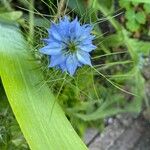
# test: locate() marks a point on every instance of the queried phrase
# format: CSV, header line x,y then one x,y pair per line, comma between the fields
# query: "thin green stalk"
x,y
112,83
60,9
105,11
31,21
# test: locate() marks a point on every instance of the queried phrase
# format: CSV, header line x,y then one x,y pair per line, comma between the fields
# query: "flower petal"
x,y
48,50
88,39
64,25
50,40
54,32
84,57
87,48
71,64
60,37
87,27
75,29
55,45
56,60
63,67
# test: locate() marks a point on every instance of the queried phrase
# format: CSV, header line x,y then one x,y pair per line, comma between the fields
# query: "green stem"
x,y
60,9
105,11
31,21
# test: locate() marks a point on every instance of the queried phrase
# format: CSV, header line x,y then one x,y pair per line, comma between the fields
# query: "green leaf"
x,y
147,8
10,16
132,25
32,101
142,47
135,4
41,22
130,14
105,109
134,19
100,114
108,3
140,17
125,4
78,5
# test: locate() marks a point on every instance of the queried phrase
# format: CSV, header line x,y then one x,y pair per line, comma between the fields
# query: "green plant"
x,y
113,85
135,15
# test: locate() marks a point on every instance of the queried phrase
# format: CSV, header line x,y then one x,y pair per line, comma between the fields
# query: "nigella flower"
x,y
68,45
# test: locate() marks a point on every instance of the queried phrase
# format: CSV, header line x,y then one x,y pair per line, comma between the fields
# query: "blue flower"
x,y
68,45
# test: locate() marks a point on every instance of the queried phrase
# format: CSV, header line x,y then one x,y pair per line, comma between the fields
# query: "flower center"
x,y
72,47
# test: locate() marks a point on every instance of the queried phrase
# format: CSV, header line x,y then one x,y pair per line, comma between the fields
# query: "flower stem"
x,y
31,21
60,9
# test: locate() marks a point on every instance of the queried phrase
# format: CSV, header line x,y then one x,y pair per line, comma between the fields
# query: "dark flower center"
x,y
72,47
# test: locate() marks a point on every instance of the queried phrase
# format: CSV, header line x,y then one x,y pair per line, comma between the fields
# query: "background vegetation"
x,y
114,84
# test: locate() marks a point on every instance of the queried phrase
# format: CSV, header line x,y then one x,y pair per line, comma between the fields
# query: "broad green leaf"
x,y
43,127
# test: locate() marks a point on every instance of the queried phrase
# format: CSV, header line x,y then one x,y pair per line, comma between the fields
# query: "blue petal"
x,y
71,64
51,40
85,33
47,40
75,29
48,50
79,64
63,67
84,57
86,42
65,19
54,32
87,27
74,26
87,48
60,36
83,36
56,60
88,39
64,28
54,45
